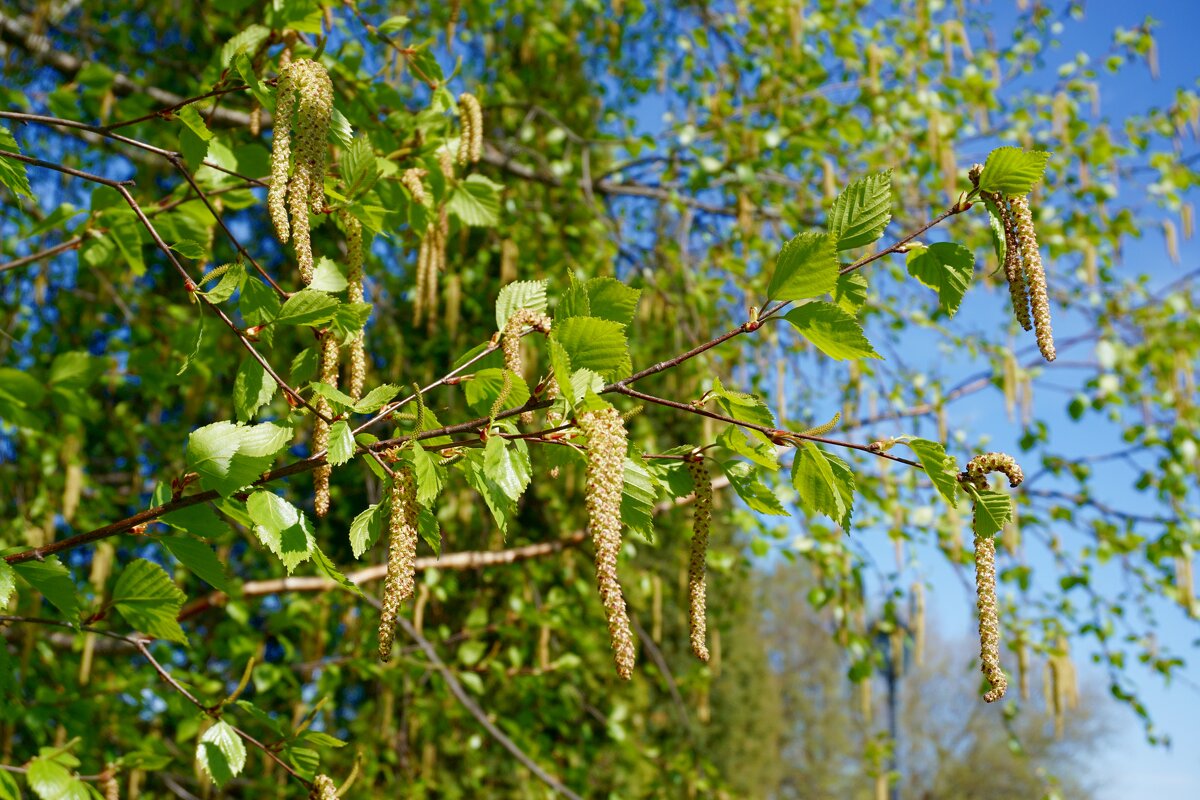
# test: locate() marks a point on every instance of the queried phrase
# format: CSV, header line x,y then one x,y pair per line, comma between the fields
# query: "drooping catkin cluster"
x,y
697,590
305,92
1035,275
402,555
979,466
411,179
470,144
607,445
354,293
989,616
323,789
320,440
431,259
1013,270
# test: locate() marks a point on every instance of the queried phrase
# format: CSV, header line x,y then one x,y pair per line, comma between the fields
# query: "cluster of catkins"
x,y
304,92
400,581
470,144
985,570
510,341
701,523
323,789
1023,267
607,446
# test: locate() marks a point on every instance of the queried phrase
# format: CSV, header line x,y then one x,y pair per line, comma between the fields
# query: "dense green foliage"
x,y
180,613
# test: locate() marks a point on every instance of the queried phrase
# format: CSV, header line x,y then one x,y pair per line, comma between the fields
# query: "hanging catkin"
x,y
607,445
354,293
989,617
399,583
697,589
470,143
323,789
320,440
1035,276
1013,270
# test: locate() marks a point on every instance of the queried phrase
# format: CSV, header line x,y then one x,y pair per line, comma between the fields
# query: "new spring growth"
x,y
402,555
320,441
697,590
304,92
607,445
411,179
323,789
470,144
1014,272
1035,276
979,466
510,342
354,293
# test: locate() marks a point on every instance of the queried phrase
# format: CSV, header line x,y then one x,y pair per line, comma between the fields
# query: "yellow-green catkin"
x,y
979,466
400,581
1035,276
329,375
607,446
510,341
411,179
323,789
989,617
470,144
109,784
1014,271
305,92
354,293
697,589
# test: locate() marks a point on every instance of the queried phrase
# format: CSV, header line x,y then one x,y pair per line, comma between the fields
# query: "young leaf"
x,y
862,211
754,493
823,488
429,475
50,780
507,465
1012,171
340,400
51,578
282,527
762,454
365,529
376,399
307,307
610,299
945,267
328,277
326,567
806,267
200,559
638,497
941,467
595,344
8,583
476,201
12,172
253,388
229,457
485,388
851,292
341,443
358,167
992,510
149,600
221,753
497,500
834,332
518,295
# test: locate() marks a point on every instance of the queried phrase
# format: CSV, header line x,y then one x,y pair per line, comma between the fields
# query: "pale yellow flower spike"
x,y
320,440
607,445
697,589
1035,276
354,293
323,789
402,556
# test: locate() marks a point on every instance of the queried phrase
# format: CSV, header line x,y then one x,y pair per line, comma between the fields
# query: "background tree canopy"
x,y
753,229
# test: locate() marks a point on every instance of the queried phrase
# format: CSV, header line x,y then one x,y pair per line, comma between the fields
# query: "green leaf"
x,y
941,467
862,211
253,388
745,481
498,502
337,398
851,292
430,531
50,780
741,406
574,302
429,475
198,557
358,168
834,332
341,443
327,277
992,510
9,789
8,583
307,307
1012,171
392,25
76,369
12,172
476,201
762,454
230,282
190,249
638,496
229,457
190,117
507,465
247,41
198,520
245,68
518,295
349,319
610,299
595,344
282,527
945,267
327,568
376,399
486,385
221,753
51,578
365,529
149,600
823,487
807,267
